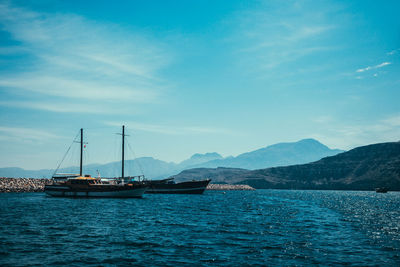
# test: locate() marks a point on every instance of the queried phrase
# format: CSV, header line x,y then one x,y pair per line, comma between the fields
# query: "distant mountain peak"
x,y
200,159
213,155
309,140
305,141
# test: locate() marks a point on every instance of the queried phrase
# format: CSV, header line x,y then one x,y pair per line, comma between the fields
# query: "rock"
x,y
9,185
229,187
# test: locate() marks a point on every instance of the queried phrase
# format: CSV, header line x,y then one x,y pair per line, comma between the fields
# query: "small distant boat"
x,y
78,185
381,190
168,186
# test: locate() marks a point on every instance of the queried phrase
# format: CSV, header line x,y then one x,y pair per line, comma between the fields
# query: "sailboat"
x,y
79,185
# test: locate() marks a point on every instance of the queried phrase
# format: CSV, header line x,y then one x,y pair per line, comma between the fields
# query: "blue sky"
x,y
191,77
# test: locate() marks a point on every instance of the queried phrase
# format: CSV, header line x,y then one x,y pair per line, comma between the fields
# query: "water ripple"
x,y
258,228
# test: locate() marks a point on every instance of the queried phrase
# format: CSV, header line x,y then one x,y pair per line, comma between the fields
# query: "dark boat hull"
x,y
190,187
102,191
381,190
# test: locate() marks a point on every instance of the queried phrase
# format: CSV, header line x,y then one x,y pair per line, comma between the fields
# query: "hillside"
x,y
362,168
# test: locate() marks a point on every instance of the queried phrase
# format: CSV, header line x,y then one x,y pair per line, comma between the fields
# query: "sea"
x,y
232,228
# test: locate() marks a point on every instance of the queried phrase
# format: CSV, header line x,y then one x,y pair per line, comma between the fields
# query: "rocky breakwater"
x,y
229,187
8,185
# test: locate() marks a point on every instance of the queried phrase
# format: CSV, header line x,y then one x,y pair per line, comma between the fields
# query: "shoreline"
x,y
26,185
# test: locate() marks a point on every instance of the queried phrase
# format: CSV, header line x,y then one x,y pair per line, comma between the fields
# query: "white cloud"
x,y
382,65
374,67
68,56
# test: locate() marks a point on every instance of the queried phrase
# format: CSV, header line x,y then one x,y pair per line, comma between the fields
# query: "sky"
x,y
189,77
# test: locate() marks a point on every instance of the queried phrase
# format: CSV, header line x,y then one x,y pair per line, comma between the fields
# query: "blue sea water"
x,y
263,227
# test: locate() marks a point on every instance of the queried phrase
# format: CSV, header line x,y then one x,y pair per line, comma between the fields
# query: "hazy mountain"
x,y
282,154
152,168
217,175
276,155
362,168
198,159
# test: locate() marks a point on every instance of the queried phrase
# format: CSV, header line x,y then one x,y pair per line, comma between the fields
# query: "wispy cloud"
x,y
74,88
171,129
19,133
69,57
278,34
374,67
392,121
349,136
66,106
323,119
393,52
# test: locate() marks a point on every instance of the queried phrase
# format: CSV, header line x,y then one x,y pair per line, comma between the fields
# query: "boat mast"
x,y
80,169
123,151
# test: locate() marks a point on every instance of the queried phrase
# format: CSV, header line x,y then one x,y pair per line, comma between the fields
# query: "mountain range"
x,y
362,168
280,154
